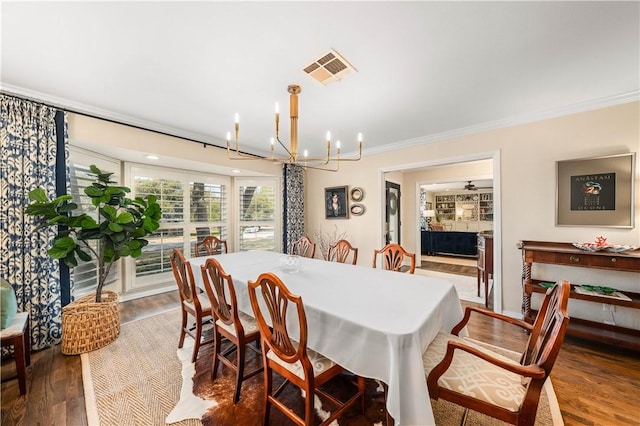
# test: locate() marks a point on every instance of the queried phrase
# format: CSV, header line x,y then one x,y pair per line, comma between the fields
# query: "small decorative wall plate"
x,y
357,194
357,209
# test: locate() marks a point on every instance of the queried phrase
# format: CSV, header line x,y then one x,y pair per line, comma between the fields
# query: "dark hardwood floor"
x,y
595,384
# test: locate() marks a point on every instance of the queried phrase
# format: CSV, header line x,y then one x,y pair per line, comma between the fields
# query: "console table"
x,y
566,254
449,242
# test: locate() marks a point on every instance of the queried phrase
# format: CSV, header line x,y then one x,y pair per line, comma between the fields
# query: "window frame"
x,y
277,216
132,170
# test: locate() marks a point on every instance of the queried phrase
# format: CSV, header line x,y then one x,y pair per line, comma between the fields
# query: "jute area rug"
x,y
143,379
466,286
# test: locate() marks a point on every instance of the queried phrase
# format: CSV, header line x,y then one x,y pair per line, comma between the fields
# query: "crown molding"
x,y
81,108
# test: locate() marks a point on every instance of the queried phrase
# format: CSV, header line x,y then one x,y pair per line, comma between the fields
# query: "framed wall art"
x,y
357,209
336,202
596,191
357,194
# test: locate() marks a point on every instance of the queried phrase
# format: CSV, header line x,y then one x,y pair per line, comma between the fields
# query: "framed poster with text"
x,y
596,191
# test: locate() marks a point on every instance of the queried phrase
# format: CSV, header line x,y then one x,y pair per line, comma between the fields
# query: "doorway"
x,y
392,213
459,169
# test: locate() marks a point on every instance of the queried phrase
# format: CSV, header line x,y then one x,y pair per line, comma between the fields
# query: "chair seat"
x,y
248,324
475,377
319,362
205,304
16,327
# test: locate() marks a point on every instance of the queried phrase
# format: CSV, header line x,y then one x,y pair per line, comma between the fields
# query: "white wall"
x,y
527,156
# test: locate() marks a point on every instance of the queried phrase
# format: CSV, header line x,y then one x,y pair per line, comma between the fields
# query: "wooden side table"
x,y
566,255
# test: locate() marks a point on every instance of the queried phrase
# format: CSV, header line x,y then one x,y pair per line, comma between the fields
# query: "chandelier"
x,y
328,163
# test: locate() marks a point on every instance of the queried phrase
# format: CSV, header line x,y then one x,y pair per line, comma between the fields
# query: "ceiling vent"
x,y
329,68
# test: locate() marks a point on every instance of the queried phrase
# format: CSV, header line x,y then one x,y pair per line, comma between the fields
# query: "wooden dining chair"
x,y
499,383
190,303
303,247
239,328
210,245
297,364
340,252
393,256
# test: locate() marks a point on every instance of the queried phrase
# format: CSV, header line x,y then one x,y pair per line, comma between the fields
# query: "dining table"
x,y
375,323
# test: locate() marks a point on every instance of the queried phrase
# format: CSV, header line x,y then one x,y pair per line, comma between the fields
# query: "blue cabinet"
x,y
449,242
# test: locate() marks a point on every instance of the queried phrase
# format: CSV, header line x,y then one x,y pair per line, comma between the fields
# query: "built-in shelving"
x,y
486,206
465,207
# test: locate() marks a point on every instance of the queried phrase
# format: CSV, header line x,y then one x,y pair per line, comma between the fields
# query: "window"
x,y
85,275
259,214
208,212
193,206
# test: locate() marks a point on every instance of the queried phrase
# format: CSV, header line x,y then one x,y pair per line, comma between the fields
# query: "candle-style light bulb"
x,y
277,109
328,136
273,142
228,136
360,137
338,144
237,120
305,153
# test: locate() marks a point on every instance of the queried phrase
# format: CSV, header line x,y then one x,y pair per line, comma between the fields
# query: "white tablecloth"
x,y
373,322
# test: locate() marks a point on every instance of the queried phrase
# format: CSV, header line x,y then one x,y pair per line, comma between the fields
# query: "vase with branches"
x,y
326,239
119,225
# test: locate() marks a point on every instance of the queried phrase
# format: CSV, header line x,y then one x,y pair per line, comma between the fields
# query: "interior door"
x,y
392,213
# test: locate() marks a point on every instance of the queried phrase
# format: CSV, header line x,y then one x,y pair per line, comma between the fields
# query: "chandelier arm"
x,y
351,159
283,145
240,155
321,168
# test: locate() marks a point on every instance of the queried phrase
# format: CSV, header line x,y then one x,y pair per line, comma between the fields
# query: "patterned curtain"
x,y
423,203
28,150
293,211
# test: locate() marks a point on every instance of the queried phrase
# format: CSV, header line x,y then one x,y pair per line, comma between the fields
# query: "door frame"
x,y
388,185
497,208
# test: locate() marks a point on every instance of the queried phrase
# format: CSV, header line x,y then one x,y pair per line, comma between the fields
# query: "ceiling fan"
x,y
471,187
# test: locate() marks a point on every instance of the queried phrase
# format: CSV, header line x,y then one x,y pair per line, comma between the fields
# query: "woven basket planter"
x,y
87,325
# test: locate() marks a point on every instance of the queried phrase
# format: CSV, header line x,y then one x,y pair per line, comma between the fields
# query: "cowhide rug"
x,y
248,411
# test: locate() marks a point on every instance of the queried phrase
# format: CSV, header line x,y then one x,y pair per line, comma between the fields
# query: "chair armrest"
x,y
531,371
467,315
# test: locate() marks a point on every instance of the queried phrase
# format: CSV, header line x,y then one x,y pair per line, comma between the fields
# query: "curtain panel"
x,y
28,151
293,205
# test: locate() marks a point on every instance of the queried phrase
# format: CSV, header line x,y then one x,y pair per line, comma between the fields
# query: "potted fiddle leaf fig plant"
x,y
118,229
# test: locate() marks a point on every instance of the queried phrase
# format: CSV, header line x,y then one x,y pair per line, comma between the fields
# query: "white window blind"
x,y
193,205
85,275
259,214
209,212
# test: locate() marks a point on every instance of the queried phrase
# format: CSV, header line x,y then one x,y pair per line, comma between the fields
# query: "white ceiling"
x,y
426,70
